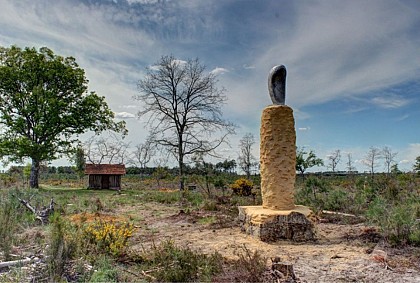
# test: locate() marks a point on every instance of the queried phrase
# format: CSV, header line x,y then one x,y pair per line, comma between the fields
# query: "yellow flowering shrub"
x,y
242,187
110,237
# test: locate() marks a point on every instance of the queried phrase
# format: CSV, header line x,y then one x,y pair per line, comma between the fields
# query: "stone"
x,y
278,217
271,225
277,85
278,157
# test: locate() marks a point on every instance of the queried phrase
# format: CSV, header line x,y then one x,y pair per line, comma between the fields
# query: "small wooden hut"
x,y
105,176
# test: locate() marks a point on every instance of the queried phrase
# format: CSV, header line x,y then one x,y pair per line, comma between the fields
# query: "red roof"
x,y
105,169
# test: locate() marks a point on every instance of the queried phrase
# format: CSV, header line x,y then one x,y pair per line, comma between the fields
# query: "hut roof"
x,y
105,169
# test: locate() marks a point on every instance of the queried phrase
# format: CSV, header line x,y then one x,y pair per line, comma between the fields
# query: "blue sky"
x,y
353,66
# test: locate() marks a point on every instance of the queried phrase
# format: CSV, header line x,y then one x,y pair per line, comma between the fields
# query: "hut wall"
x,y
105,182
115,181
95,181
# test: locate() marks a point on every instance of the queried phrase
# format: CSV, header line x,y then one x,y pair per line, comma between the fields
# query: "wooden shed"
x,y
105,176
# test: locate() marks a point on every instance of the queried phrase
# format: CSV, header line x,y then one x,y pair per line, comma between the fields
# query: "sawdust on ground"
x,y
343,253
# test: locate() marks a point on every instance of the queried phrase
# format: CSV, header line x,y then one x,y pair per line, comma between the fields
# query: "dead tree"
x,y
43,214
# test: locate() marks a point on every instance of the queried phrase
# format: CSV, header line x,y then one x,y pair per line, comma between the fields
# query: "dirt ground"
x,y
342,253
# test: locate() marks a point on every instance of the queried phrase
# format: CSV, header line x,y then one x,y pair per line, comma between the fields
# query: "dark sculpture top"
x,y
277,85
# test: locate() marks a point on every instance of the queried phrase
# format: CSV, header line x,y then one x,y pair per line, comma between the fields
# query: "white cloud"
x,y
337,50
129,106
248,67
402,118
179,62
391,101
304,129
142,1
124,115
407,156
219,71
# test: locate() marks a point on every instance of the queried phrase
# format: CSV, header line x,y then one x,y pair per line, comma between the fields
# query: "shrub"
x,y
57,251
105,272
337,200
242,187
7,224
397,221
313,193
109,237
249,267
182,264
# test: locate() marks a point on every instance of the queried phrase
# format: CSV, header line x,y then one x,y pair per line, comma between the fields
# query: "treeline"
x,y
227,166
16,169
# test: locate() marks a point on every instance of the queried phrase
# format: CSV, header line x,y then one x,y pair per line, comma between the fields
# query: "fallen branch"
x,y
41,215
340,213
15,262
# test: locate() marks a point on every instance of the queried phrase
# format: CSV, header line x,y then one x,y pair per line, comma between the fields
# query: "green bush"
x,y
251,265
397,220
182,264
242,187
108,237
7,226
312,193
105,272
57,251
337,200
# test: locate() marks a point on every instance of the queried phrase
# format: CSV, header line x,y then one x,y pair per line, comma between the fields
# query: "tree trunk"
x,y
181,173
181,163
33,179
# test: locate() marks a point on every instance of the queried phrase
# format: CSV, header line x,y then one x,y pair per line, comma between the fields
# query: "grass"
x,y
395,213
207,220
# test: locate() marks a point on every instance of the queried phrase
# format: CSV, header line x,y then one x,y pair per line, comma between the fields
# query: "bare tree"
x,y
371,159
143,153
246,159
389,158
349,164
110,148
184,109
333,159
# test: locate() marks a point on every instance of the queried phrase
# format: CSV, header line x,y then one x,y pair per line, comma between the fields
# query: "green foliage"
x,y
397,221
305,160
79,161
108,237
8,223
44,105
182,264
209,205
105,272
227,166
57,251
242,187
320,194
27,170
416,166
250,265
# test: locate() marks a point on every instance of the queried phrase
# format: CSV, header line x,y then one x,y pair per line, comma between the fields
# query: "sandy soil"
x,y
343,253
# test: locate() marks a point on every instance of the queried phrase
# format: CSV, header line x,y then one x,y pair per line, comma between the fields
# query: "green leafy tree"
x,y
305,160
79,160
227,166
45,105
395,169
416,166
